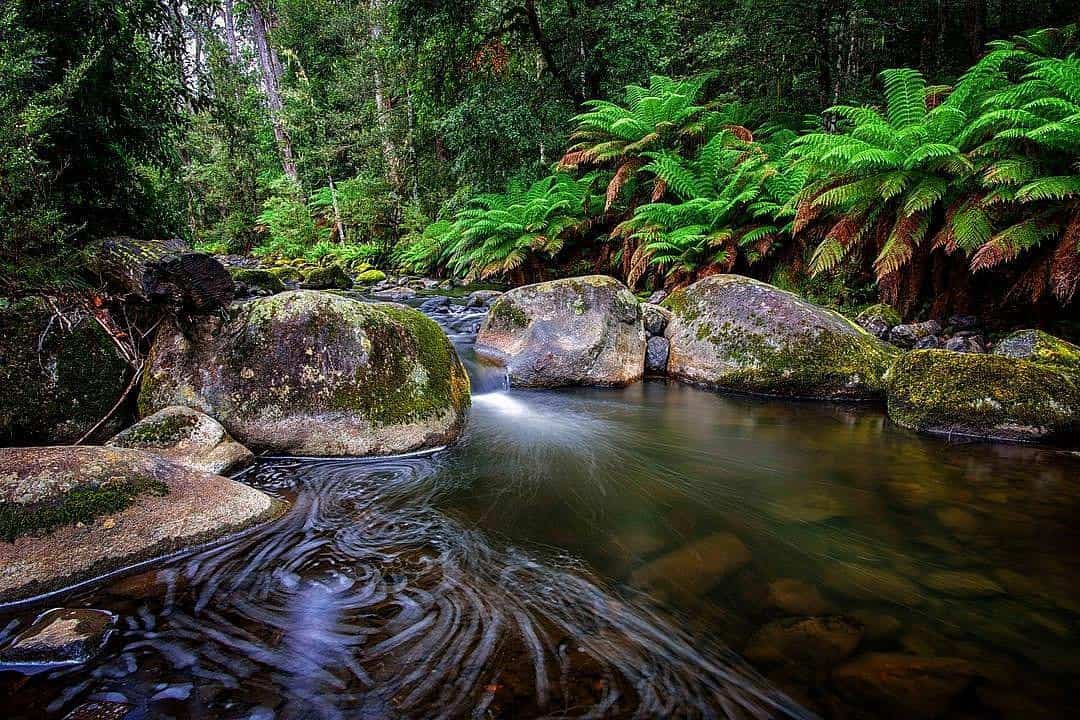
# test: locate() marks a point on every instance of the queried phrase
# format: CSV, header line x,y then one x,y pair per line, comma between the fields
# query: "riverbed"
x,y
654,551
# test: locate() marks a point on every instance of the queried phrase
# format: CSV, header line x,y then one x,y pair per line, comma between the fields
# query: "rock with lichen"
x,y
730,332
575,331
983,396
330,277
61,635
367,277
878,320
69,514
258,279
316,374
189,437
1040,347
60,374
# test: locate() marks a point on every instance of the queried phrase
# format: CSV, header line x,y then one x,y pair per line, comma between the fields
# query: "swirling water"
x,y
601,553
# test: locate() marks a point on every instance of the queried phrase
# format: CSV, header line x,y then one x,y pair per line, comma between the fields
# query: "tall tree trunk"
x,y
270,67
338,224
537,31
230,31
383,106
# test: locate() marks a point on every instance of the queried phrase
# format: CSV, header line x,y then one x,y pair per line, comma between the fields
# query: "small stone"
x,y
878,320
905,687
657,297
962,583
657,351
821,642
655,318
434,304
966,344
109,523
877,626
188,437
809,507
482,298
331,277
99,710
795,597
61,636
908,335
964,322
928,343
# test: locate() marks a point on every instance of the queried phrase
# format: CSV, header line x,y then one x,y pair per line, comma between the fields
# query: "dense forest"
x,y
920,152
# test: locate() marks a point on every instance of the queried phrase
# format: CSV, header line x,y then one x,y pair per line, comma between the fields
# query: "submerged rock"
x,y
312,373
73,513
1040,347
62,635
730,332
189,437
961,583
395,294
577,331
878,320
794,597
904,686
694,568
982,396
59,376
820,642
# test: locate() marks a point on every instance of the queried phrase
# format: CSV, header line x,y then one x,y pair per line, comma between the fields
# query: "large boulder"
x,y
60,374
188,437
311,373
330,277
729,332
576,331
68,514
982,396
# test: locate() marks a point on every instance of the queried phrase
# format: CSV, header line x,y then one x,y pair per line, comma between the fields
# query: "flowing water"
x,y
650,552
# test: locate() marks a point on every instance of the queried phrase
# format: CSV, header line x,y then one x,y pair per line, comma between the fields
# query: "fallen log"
x,y
164,272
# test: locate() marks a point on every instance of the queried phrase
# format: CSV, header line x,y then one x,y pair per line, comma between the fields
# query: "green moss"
x,y
504,315
884,311
258,278
80,505
681,306
941,391
331,277
163,432
1040,347
286,273
367,277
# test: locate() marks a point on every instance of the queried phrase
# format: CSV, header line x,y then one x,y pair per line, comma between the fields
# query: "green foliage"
x,y
498,233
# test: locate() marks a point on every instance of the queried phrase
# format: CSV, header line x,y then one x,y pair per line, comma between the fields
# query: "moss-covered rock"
x,y
331,277
367,277
729,332
1040,347
878,320
68,514
577,331
313,373
982,396
59,376
188,437
258,278
287,274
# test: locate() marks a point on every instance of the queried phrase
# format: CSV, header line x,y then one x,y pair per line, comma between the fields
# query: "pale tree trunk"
x,y
270,67
337,210
383,107
230,31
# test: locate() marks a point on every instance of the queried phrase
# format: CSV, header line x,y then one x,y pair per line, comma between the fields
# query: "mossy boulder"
x,y
982,396
188,437
576,331
312,373
59,376
1040,347
729,332
287,274
258,279
878,320
68,514
331,277
367,277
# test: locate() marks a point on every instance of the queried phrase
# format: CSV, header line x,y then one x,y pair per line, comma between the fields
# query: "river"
x,y
649,552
